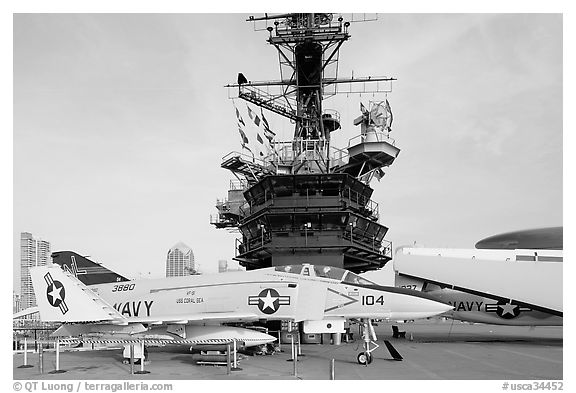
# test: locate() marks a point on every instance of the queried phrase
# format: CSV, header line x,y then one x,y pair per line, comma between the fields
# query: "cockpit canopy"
x,y
331,272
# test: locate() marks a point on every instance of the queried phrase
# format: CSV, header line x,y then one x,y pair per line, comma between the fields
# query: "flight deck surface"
x,y
438,351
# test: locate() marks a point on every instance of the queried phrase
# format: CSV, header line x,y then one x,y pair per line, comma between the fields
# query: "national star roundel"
x,y
55,293
507,310
268,301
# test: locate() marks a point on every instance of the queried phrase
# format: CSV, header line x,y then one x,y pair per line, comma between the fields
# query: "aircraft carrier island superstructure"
x,y
305,200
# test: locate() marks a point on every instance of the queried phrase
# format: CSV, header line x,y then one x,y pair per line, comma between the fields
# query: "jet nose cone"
x,y
446,307
436,307
414,307
433,307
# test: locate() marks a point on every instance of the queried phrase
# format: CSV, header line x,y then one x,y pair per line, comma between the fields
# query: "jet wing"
x,y
311,300
537,285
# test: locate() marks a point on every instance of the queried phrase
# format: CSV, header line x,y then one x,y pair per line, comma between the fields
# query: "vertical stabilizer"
x,y
61,297
87,271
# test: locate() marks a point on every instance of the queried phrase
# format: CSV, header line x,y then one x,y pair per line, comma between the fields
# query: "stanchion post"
x,y
25,365
57,345
57,348
280,340
142,358
295,361
40,358
332,369
235,354
131,358
228,366
25,352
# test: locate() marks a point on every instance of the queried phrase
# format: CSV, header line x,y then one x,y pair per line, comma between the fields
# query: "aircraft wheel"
x,y
364,358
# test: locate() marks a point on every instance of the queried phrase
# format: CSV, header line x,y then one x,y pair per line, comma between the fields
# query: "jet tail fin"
x,y
61,297
87,271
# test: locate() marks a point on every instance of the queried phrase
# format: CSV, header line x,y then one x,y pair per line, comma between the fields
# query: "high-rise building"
x,y
180,261
16,307
222,265
33,252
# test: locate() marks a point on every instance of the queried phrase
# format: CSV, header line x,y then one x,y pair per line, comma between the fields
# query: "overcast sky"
x,y
121,121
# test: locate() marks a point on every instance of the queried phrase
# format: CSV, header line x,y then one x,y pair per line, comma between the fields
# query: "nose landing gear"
x,y
365,358
369,337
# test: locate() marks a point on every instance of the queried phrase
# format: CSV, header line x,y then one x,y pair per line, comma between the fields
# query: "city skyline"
x,y
18,277
131,125
33,252
180,261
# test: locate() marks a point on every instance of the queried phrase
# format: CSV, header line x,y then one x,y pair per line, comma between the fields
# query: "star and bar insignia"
x,y
506,310
55,293
269,301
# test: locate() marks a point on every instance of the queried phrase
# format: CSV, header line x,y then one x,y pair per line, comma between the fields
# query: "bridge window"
x,y
310,221
280,222
331,185
283,186
307,185
332,221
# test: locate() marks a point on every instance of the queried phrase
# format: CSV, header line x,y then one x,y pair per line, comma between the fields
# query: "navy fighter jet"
x,y
321,297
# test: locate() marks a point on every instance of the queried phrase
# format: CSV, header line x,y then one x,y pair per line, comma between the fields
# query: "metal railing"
x,y
382,247
246,158
269,101
358,202
299,150
238,185
372,135
371,207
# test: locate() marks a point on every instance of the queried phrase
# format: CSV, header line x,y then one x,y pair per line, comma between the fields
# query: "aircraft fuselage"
x,y
473,308
262,294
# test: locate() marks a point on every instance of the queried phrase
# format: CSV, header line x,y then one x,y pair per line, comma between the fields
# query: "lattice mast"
x,y
304,200
308,50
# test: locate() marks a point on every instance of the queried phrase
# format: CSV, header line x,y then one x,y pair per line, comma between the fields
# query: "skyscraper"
x,y
33,252
222,265
16,306
180,261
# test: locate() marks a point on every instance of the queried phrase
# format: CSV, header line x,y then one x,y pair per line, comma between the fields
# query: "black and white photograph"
x,y
226,196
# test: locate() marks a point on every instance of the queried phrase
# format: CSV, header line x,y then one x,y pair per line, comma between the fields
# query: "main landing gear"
x,y
369,337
